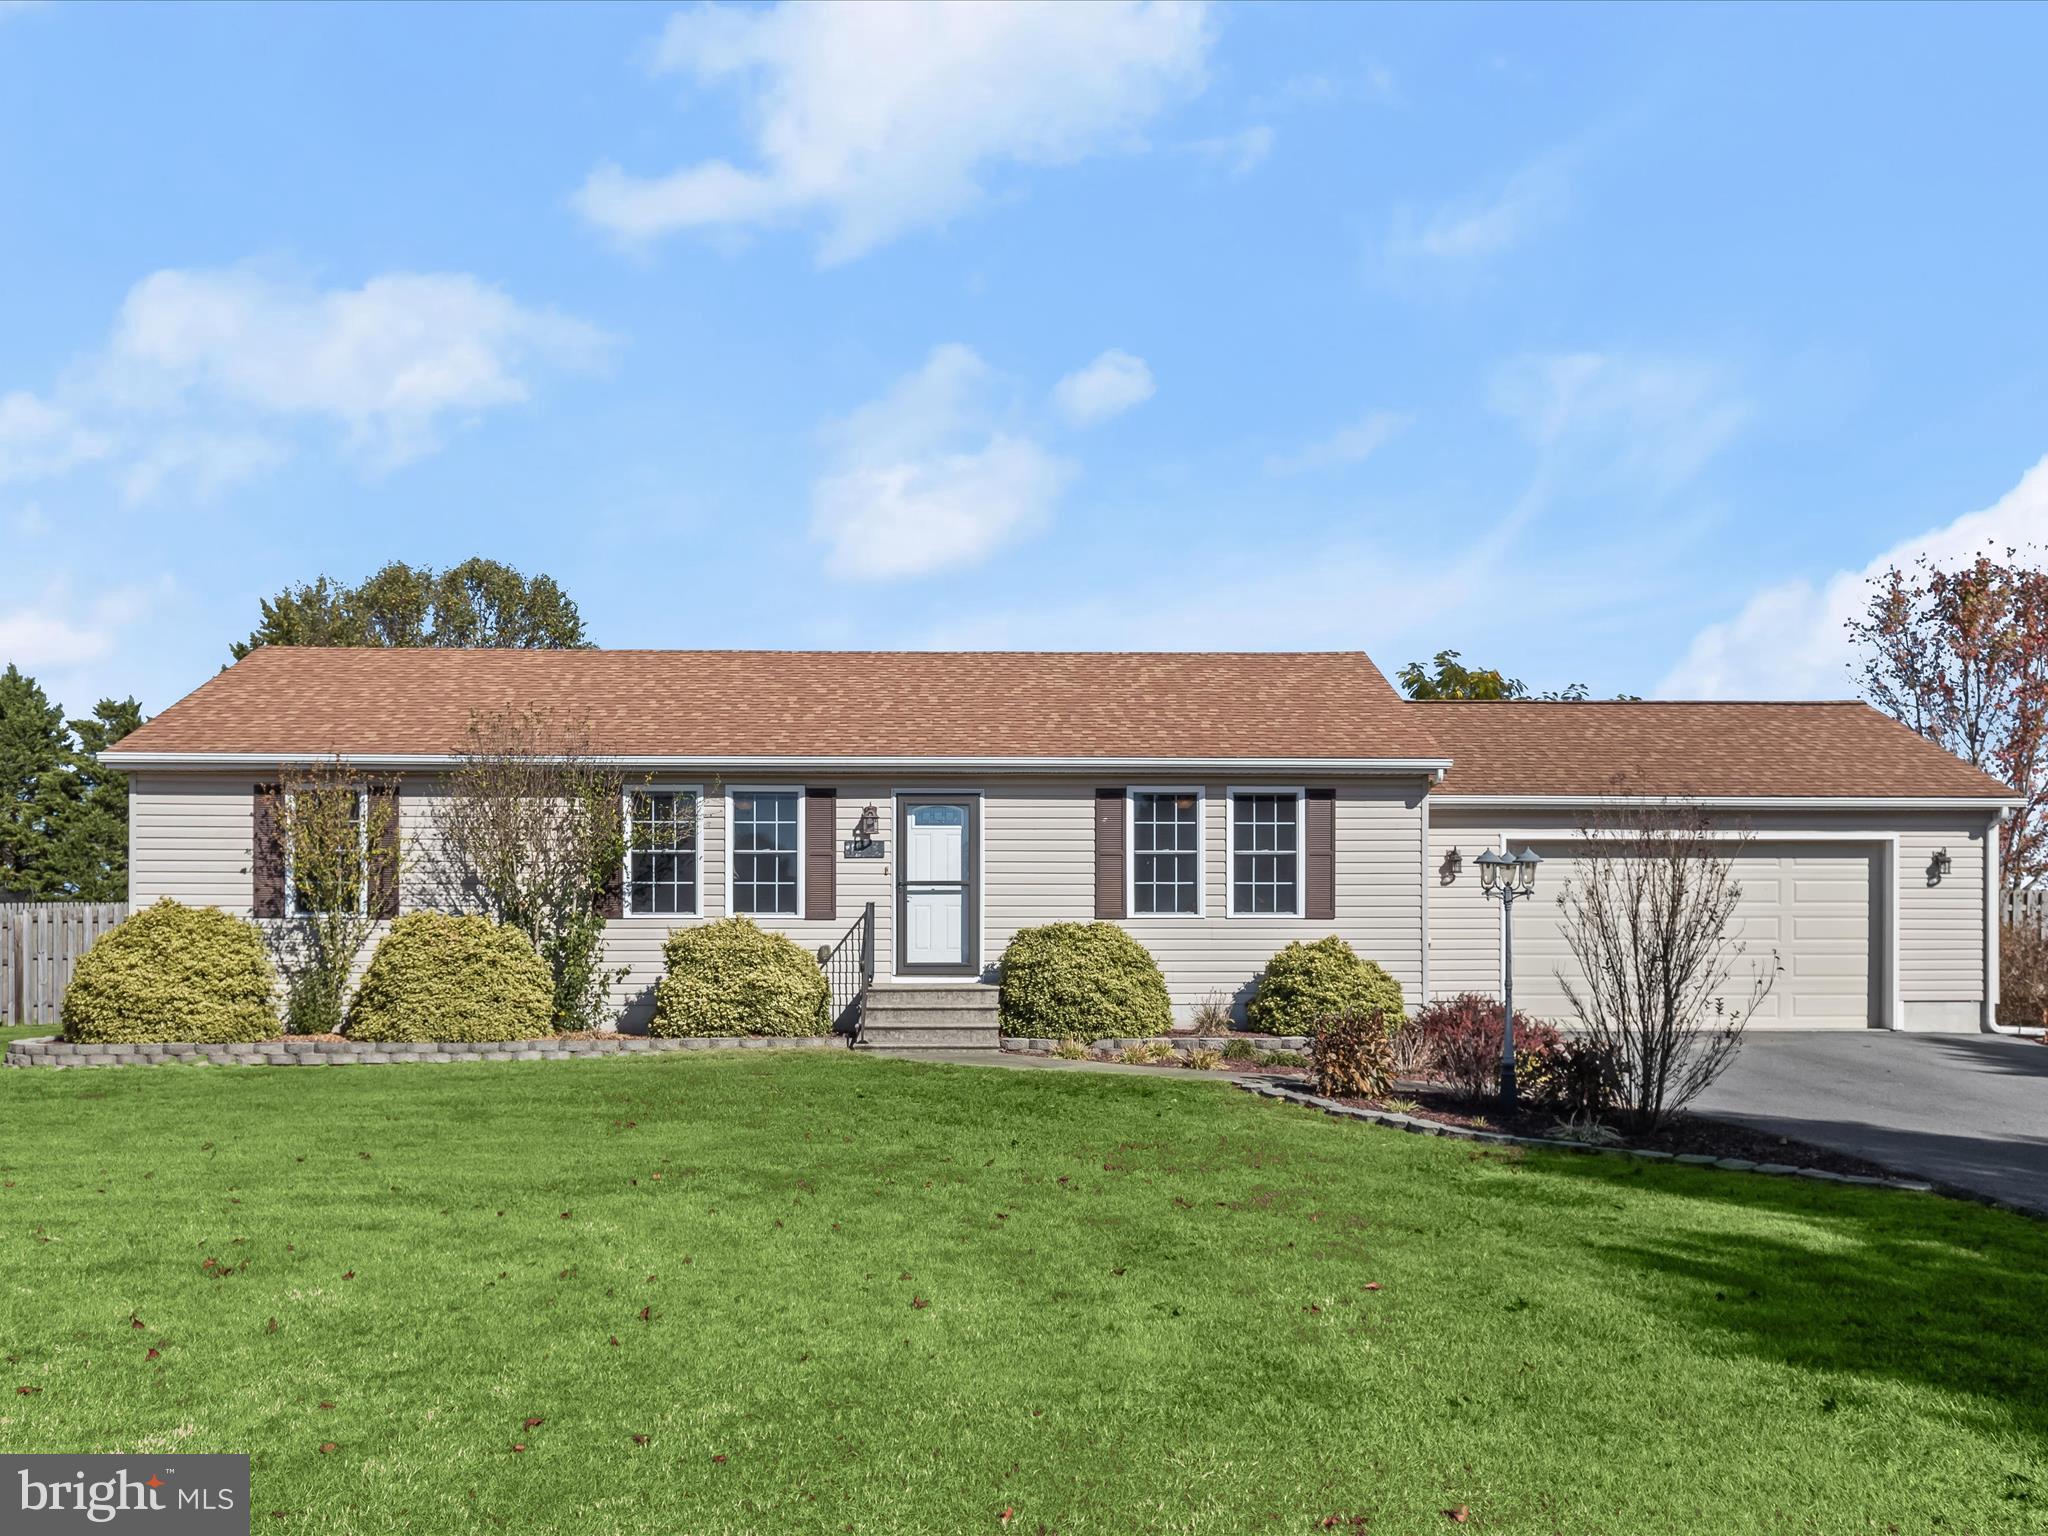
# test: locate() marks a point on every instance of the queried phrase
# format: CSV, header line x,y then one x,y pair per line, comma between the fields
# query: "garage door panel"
x,y
1806,909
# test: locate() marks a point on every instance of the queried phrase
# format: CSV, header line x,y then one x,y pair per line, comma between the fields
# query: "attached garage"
x,y
1812,909
1868,857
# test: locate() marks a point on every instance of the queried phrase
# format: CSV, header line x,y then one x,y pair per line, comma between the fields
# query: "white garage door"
x,y
1810,904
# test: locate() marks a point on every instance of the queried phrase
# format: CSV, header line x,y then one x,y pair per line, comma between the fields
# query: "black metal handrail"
x,y
849,968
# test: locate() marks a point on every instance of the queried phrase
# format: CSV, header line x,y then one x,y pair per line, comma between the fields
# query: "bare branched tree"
x,y
531,828
1666,987
337,836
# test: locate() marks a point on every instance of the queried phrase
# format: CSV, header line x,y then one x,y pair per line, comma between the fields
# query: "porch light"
x,y
1942,863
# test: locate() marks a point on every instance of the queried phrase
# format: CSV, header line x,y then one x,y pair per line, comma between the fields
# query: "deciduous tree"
x,y
1961,656
477,603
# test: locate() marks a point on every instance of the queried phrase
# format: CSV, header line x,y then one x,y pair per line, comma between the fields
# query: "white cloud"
x,y
885,117
1460,234
391,361
1239,153
1788,640
1639,420
1348,445
922,479
207,375
38,439
1109,386
56,632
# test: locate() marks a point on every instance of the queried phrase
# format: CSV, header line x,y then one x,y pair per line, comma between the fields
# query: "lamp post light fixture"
x,y
1508,876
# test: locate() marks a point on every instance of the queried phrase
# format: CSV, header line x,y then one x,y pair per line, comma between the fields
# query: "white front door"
x,y
937,868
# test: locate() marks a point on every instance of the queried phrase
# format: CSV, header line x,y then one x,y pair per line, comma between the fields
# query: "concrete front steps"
x,y
930,1016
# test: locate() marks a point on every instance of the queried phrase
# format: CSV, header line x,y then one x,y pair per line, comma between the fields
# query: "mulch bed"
x,y
1684,1134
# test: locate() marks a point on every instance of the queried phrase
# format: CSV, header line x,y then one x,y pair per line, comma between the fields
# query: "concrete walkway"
x,y
1964,1110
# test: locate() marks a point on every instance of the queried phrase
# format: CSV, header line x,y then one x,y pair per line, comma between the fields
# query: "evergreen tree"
x,y
90,855
35,786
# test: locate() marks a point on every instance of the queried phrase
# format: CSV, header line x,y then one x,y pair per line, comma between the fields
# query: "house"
x,y
1216,805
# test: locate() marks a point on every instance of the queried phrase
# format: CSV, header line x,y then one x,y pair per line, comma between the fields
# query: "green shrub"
x,y
1082,981
173,972
1306,982
735,978
1353,1056
437,976
1205,1058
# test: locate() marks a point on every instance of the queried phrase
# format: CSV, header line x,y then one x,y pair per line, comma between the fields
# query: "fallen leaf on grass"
x,y
134,1321
918,1303
533,1424
26,1391
718,1458
615,1341
151,1355
328,1448
517,1447
1372,1285
327,1405
640,1439
567,1214
350,1275
1006,1517
272,1326
647,1314
1458,1514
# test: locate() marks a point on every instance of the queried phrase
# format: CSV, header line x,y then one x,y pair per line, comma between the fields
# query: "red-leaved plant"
x,y
1461,1037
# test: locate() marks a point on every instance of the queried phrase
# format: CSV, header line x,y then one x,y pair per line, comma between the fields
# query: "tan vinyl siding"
x,y
190,837
1940,924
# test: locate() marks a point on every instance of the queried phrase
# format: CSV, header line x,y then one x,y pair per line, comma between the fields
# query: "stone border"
x,y
1420,1126
49,1051
1180,1045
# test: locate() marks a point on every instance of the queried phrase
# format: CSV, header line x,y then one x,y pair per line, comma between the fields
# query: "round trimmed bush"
x,y
437,976
1081,981
1307,982
173,972
733,977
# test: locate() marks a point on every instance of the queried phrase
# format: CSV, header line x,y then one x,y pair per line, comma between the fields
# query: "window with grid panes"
x,y
1166,833
1265,854
764,852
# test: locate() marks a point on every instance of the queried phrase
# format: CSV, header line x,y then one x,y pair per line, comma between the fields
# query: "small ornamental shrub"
x,y
1081,981
1462,1036
1307,982
734,977
436,976
1240,1050
1352,1056
1205,1058
1212,1016
173,972
1574,1078
1071,1050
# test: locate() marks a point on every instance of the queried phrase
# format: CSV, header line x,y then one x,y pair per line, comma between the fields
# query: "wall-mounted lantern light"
x,y
1941,864
1452,866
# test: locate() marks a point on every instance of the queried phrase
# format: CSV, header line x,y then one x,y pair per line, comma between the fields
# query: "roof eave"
x,y
1432,767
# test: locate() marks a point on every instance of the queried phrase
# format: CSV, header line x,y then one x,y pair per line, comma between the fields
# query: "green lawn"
x,y
850,1294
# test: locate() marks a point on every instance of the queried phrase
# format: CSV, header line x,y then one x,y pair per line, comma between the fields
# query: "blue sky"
x,y
1605,345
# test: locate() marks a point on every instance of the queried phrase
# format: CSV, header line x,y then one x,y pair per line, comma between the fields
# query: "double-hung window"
x,y
1166,852
661,852
316,880
1265,853
766,851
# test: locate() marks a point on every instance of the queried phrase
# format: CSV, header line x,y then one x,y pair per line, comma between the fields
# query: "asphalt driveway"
x,y
1964,1110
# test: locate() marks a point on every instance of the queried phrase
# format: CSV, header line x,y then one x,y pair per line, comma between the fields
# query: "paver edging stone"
x,y
1417,1125
50,1052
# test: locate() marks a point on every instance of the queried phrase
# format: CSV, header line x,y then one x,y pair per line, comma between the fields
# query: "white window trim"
x,y
660,787
802,831
1131,793
291,873
1230,860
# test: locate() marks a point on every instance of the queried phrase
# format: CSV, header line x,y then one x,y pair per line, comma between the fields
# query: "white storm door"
x,y
935,884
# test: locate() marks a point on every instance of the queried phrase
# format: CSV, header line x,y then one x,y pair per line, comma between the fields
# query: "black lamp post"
x,y
1508,876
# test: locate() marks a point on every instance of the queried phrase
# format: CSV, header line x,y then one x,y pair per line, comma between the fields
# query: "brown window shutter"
x,y
1319,845
384,863
821,855
1109,853
266,861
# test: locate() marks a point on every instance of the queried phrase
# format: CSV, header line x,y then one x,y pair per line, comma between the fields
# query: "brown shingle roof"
x,y
1844,749
810,704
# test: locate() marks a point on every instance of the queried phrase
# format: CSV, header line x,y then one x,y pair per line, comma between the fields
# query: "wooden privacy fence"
x,y
40,942
2029,906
